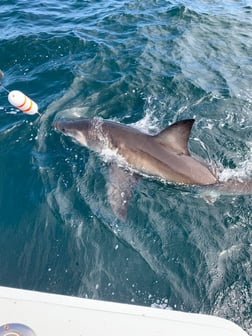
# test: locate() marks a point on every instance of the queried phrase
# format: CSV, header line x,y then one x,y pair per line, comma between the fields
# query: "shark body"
x,y
164,155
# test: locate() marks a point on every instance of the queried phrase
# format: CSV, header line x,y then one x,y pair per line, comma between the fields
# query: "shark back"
x,y
165,155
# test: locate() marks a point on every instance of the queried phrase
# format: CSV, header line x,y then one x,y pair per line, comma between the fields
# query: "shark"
x,y
134,153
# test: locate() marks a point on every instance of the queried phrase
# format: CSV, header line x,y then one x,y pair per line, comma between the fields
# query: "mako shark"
x,y
164,155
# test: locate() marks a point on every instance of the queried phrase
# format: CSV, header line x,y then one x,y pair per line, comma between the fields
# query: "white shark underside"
x,y
164,155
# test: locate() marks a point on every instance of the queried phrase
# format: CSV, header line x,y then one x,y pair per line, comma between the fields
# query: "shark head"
x,y
77,129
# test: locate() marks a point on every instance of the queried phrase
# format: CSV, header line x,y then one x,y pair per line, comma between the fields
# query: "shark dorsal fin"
x,y
176,136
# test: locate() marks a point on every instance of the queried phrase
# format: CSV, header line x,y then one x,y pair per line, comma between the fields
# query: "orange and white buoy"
x,y
19,100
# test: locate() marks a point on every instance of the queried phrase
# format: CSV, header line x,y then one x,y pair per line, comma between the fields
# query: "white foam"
x,y
149,122
239,173
109,155
244,170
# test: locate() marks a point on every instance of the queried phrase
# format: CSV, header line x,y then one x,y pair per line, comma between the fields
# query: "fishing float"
x,y
21,101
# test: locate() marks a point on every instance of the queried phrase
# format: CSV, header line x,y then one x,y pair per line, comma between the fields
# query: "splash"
x,y
243,171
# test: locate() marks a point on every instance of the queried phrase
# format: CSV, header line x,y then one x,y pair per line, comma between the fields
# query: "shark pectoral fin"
x,y
119,189
176,136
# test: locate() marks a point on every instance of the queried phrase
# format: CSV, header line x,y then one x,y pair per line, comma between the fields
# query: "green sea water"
x,y
142,63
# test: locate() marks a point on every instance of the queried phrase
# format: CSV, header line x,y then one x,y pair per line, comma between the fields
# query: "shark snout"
x,y
60,125
77,129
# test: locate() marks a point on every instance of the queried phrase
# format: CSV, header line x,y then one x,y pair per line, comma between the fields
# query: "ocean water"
x,y
145,63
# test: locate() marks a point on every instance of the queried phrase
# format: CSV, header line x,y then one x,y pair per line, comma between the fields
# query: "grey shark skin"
x,y
164,155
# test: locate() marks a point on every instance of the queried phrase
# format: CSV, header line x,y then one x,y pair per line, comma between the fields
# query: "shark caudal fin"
x,y
176,136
